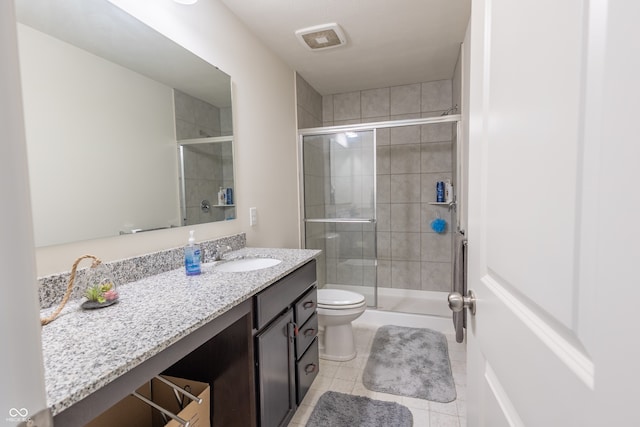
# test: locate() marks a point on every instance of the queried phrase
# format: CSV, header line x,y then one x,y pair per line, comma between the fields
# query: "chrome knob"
x,y
457,302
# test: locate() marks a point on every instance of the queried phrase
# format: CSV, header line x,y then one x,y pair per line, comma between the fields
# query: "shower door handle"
x,y
457,302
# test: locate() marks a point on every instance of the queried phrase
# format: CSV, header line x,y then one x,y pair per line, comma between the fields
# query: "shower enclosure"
x,y
340,208
369,198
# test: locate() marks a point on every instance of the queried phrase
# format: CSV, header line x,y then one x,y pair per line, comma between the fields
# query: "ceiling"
x,y
389,42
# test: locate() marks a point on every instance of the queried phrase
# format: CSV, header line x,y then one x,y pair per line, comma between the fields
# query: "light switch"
x,y
253,216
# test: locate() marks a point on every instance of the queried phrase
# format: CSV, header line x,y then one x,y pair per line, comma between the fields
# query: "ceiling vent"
x,y
322,37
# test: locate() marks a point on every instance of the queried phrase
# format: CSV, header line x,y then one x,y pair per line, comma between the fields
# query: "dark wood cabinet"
x,y
285,344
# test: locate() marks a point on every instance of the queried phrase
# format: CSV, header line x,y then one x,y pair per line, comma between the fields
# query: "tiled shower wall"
x,y
207,166
309,104
410,160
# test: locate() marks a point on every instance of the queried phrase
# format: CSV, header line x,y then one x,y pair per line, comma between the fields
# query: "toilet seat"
x,y
337,299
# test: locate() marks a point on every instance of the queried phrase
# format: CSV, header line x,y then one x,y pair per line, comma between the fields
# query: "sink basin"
x,y
246,264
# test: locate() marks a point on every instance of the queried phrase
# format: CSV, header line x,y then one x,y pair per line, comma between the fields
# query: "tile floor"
x,y
346,377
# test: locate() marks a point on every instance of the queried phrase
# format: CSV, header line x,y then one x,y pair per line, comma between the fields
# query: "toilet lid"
x,y
338,297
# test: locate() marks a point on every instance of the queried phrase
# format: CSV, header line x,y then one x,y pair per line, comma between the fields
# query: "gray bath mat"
x,y
410,362
344,410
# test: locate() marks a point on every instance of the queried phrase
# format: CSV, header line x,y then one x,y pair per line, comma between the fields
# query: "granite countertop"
x,y
86,349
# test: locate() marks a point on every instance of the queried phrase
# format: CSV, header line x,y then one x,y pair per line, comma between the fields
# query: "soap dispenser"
x,y
192,256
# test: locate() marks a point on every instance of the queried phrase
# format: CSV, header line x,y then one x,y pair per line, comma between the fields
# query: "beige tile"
x,y
405,246
436,95
384,273
404,135
405,158
361,390
383,182
405,275
348,373
443,420
375,119
436,276
384,245
312,396
346,122
322,383
463,421
436,247
461,393
346,106
327,108
413,402
444,408
302,414
359,361
375,103
383,136
405,188
457,354
405,99
383,160
459,366
462,407
328,371
460,379
387,397
436,132
405,217
383,216
436,157
420,417
342,386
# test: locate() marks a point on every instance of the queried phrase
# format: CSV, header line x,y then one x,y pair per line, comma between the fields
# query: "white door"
x,y
22,392
553,209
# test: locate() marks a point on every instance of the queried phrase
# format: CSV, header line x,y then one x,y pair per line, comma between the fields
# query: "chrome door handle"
x,y
457,302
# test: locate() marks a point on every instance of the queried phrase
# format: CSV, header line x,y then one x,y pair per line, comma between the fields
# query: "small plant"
x,y
101,293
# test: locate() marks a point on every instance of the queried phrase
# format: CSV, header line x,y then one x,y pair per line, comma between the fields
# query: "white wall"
x,y
114,128
264,142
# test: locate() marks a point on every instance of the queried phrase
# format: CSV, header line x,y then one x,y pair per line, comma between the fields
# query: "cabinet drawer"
x,y
306,370
273,300
306,306
306,334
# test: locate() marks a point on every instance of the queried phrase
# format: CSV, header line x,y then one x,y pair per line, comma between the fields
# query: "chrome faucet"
x,y
219,252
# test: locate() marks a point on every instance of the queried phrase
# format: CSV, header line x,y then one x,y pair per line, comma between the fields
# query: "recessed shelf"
x,y
222,206
441,203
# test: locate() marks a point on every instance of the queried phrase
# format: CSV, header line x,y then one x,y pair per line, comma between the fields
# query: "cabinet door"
x,y
276,386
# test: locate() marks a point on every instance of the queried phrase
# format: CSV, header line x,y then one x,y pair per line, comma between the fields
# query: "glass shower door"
x,y
339,185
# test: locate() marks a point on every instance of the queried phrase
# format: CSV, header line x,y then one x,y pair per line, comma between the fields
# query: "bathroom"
x,y
265,112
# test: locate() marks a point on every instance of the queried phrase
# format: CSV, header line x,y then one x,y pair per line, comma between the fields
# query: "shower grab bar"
x,y
350,220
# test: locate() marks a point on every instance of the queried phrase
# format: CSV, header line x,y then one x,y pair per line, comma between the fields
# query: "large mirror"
x,y
126,130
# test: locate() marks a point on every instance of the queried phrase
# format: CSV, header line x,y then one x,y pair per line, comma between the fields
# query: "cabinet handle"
x,y
309,332
309,304
310,368
292,331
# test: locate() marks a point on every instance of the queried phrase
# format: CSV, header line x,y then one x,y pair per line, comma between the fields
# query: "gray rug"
x,y
410,362
344,410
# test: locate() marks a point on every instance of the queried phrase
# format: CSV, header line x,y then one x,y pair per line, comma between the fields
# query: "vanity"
x,y
250,335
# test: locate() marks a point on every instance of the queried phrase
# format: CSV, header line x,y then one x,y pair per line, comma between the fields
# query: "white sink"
x,y
246,264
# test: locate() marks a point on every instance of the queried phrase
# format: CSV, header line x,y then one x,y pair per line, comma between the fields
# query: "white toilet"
x,y
336,310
